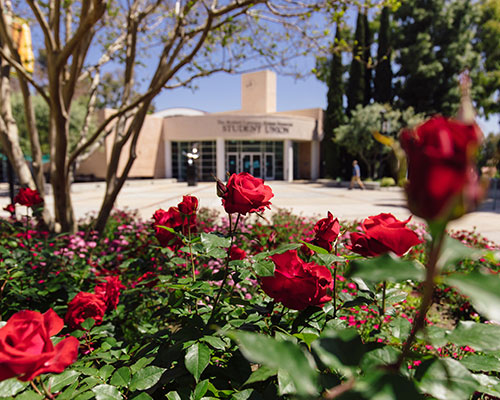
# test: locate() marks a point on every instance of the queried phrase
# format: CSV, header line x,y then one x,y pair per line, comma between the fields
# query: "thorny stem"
x,y
426,303
335,265
191,252
47,391
232,230
382,309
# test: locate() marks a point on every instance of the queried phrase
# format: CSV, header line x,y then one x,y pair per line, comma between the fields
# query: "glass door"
x,y
269,166
232,163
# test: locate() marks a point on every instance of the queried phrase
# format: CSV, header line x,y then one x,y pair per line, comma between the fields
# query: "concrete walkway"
x,y
308,199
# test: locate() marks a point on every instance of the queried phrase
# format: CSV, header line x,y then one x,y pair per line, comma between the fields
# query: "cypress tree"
x,y
334,111
356,85
367,60
383,71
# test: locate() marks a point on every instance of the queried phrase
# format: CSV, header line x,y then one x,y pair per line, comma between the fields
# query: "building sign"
x,y
255,127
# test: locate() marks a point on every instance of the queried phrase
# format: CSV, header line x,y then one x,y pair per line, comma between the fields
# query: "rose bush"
x,y
109,291
297,284
245,194
26,349
443,182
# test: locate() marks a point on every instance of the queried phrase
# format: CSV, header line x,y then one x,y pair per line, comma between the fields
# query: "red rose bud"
x,y
246,194
188,206
441,171
84,305
28,197
26,350
109,291
383,233
221,188
327,230
237,254
297,284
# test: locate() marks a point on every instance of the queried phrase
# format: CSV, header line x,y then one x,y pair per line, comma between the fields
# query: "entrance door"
x,y
269,166
232,163
252,163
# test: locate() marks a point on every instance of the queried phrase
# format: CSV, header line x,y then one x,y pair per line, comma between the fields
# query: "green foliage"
x,y
77,118
383,71
357,72
356,135
434,44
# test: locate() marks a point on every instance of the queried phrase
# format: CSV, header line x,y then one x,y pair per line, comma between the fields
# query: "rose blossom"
x,y
381,234
297,284
442,178
10,208
237,254
109,291
26,350
171,219
28,197
84,305
327,230
245,194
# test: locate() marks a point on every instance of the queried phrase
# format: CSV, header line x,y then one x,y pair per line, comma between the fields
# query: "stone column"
x,y
288,160
315,152
168,158
221,159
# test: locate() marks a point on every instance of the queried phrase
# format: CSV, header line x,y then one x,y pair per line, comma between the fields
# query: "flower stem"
x,y
335,265
47,391
232,230
426,303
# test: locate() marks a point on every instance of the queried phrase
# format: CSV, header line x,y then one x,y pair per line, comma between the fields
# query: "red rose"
x,y
26,350
84,305
187,209
171,219
109,291
237,254
383,233
11,208
245,194
297,284
28,197
442,179
327,230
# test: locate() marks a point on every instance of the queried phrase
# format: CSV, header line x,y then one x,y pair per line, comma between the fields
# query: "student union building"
x,y
256,139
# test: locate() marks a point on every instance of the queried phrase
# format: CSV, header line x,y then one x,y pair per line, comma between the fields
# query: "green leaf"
x,y
445,379
143,396
88,324
338,349
121,377
11,387
173,396
384,356
215,342
329,259
483,291
57,382
400,328
261,374
387,267
487,384
285,383
210,241
264,268
29,395
243,395
106,371
484,362
482,337
141,363
200,390
316,249
106,392
284,248
378,385
197,359
279,354
146,378
454,251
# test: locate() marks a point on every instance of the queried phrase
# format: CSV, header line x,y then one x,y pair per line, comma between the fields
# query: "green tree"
x,y
488,39
356,83
356,135
367,60
434,42
334,115
383,71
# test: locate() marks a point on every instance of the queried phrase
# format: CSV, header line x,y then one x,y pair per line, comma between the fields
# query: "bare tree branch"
x,y
49,38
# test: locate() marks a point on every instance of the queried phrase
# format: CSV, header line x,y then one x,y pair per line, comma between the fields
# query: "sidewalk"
x,y
309,199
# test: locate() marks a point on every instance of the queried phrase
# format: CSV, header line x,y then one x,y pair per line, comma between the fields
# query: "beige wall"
x,y
258,92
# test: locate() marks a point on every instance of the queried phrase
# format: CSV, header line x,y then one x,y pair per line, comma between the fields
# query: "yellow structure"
x,y
21,36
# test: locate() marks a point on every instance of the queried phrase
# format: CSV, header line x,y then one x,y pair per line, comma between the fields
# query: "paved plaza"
x,y
308,199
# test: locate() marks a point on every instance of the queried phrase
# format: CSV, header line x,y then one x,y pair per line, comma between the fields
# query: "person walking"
x,y
356,176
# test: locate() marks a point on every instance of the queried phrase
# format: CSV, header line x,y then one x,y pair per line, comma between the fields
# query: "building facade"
x,y
256,139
